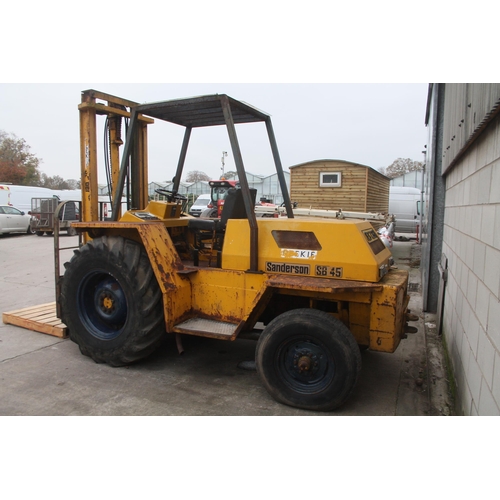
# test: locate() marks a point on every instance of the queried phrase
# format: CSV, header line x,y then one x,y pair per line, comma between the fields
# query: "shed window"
x,y
330,179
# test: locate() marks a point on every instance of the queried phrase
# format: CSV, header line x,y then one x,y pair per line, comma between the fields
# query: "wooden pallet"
x,y
40,318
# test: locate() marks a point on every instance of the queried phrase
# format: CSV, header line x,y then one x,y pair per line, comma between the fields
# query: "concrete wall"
x,y
471,242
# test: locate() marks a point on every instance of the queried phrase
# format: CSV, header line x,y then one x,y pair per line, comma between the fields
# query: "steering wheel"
x,y
171,196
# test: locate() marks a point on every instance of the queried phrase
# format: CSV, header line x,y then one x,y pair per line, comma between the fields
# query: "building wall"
x,y
267,187
467,108
410,179
271,188
360,186
471,242
377,192
434,200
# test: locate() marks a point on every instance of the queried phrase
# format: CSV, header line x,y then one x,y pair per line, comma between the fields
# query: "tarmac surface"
x,y
42,375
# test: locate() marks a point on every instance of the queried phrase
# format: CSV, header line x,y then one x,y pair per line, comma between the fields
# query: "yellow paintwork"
x,y
388,310
373,310
88,111
226,295
155,209
337,265
344,246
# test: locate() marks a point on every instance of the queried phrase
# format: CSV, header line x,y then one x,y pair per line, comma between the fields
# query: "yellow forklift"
x,y
313,291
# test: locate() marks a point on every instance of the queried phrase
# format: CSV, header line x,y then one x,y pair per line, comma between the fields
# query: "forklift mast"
x,y
115,109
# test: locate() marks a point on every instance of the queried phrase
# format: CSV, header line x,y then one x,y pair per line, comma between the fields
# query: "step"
x,y
41,318
207,328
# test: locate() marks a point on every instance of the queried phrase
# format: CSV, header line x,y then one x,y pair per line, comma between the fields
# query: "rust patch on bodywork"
x,y
325,285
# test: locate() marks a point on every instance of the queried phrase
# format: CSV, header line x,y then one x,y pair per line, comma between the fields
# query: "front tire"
x,y
209,213
111,301
308,359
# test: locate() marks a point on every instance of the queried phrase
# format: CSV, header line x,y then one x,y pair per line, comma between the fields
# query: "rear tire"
x,y
111,301
308,359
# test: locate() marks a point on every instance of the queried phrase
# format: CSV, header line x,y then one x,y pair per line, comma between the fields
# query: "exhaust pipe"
x,y
178,343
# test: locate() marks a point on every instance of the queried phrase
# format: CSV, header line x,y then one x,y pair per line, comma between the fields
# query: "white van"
x,y
20,196
404,204
200,205
4,194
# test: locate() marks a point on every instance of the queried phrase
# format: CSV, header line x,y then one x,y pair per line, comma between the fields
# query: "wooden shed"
x,y
339,184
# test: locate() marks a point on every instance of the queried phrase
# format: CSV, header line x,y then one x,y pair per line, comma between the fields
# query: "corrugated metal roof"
x,y
202,111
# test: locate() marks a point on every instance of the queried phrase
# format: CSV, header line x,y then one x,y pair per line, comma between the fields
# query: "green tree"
x,y
17,164
401,166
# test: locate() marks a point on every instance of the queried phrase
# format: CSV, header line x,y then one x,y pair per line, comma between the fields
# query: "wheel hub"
x,y
304,363
107,304
304,366
305,360
110,301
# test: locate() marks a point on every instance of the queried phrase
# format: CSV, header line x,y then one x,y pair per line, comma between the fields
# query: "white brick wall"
x,y
471,320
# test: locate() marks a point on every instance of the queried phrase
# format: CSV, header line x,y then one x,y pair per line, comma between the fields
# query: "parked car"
x,y
200,205
13,220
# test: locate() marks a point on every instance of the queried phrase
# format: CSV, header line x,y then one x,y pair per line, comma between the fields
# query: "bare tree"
x,y
231,174
401,166
196,175
74,183
57,182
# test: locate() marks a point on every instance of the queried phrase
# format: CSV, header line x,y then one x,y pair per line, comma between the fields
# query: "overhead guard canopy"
x,y
206,111
203,111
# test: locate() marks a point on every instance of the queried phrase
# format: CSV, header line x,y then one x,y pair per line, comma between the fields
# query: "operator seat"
x,y
234,208
211,231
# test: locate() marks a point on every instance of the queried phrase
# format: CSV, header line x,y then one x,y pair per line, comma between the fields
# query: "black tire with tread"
x,y
320,342
125,263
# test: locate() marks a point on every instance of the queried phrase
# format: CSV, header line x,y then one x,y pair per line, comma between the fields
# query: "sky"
x,y
370,124
348,82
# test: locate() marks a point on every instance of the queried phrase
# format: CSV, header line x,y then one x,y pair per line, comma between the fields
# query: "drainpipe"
x,y
422,192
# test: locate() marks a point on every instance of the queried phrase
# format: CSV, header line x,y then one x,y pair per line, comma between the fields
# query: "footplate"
x,y
207,328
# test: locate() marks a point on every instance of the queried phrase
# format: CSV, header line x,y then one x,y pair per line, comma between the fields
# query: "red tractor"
x,y
218,193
